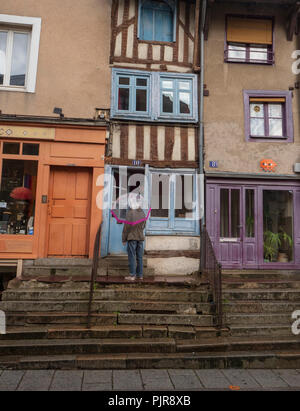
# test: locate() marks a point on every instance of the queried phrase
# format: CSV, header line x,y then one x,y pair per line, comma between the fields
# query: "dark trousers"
x,y
135,251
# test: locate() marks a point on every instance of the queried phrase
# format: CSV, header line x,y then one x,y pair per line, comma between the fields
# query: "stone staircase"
x,y
162,322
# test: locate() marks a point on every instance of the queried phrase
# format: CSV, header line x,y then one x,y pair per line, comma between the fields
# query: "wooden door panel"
x,y
69,211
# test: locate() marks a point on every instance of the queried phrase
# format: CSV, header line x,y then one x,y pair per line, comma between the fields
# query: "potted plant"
x,y
272,242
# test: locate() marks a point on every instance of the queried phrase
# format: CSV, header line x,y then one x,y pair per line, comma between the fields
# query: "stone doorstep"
x,y
228,360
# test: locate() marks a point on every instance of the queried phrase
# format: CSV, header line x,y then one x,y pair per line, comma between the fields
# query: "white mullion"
x,y
9,49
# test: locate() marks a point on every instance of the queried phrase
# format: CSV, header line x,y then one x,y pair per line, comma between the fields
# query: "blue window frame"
x,y
157,20
154,96
176,96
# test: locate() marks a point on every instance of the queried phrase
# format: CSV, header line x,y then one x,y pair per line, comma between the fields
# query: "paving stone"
x,y
67,381
10,380
213,379
241,378
129,380
268,379
38,380
291,377
185,379
156,380
97,380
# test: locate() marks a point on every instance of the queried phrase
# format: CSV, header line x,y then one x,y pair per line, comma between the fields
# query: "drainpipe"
x,y
201,108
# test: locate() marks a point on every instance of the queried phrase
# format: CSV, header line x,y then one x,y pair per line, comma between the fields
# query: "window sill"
x,y
261,63
19,89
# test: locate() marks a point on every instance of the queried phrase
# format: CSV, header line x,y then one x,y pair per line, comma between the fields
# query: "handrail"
x,y
212,271
94,273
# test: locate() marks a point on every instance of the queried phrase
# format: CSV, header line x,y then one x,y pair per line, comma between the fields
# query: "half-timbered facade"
x,y
154,125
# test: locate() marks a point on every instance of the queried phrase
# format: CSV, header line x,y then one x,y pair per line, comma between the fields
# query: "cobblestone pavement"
x,y
149,380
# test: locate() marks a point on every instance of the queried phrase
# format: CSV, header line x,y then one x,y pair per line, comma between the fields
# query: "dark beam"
x,y
292,21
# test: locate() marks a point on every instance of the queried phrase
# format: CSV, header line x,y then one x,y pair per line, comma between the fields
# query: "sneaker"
x,y
130,278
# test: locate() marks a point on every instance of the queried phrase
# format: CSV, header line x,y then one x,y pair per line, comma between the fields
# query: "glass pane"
x,y
258,53
275,110
142,82
184,85
224,211
19,59
235,213
17,196
278,226
275,127
31,149
184,197
11,148
3,39
236,52
185,103
257,127
167,84
124,81
167,102
141,100
123,103
160,195
250,215
257,110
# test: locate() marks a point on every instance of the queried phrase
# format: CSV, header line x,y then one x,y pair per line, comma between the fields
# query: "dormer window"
x,y
157,20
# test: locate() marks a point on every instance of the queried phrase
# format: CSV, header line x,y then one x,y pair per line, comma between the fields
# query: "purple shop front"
x,y
254,224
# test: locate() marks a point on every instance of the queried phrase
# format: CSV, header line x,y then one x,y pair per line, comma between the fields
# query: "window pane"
x,y
19,59
258,53
160,195
142,82
123,103
3,39
11,148
275,110
184,85
17,196
257,126
167,84
185,103
256,110
236,52
124,81
224,211
235,213
168,98
250,214
141,100
31,149
184,200
275,127
278,225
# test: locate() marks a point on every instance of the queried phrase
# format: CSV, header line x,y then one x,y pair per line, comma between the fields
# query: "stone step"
x,y
106,306
125,293
256,306
267,330
258,319
86,346
114,261
72,271
260,284
253,294
47,318
289,359
262,274
162,319
105,331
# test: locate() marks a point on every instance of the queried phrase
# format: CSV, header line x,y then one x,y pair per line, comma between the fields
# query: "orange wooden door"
x,y
69,212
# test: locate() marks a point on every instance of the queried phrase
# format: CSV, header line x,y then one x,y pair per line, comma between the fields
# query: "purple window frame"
x,y
287,115
270,60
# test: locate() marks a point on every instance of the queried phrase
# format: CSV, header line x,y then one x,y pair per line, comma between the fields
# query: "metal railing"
x,y
212,271
94,274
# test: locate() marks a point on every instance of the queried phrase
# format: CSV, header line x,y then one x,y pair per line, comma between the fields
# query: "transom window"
x,y
268,115
249,40
157,20
154,96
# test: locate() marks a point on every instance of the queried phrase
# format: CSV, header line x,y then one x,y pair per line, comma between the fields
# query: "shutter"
x,y
254,31
267,100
